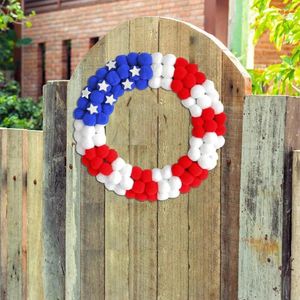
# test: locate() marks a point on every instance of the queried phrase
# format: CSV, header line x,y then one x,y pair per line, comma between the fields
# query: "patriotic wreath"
x,y
143,70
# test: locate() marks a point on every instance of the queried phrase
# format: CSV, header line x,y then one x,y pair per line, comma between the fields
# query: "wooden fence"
x,y
229,239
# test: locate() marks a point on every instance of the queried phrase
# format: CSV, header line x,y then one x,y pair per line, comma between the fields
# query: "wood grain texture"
x,y
295,276
54,189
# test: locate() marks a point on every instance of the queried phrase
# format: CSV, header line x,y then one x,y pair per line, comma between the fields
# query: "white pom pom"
x,y
126,170
88,131
214,95
220,142
77,136
118,164
156,175
163,187
174,194
188,102
78,124
115,177
194,153
79,149
214,155
196,142
210,138
154,82
208,85
100,129
166,83
197,91
166,172
101,178
218,107
87,142
162,197
99,139
157,58
207,148
169,59
175,183
127,183
110,186
168,71
204,101
157,70
206,162
119,191
195,110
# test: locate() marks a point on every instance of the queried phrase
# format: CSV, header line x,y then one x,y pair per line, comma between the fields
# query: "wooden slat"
x,y
54,189
295,280
34,216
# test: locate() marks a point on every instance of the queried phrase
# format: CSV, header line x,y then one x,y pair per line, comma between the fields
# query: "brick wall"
x,y
80,25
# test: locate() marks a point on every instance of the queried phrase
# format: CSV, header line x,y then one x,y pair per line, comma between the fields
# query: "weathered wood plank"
x,y
295,259
54,189
34,218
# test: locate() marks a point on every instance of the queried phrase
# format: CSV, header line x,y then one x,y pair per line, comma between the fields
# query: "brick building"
x,y
64,30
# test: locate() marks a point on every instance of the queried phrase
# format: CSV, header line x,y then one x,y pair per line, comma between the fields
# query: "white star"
x,y
111,64
110,99
93,109
135,71
85,93
127,84
103,86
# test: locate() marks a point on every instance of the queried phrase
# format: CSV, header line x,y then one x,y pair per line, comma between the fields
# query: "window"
x,y
66,59
41,66
93,41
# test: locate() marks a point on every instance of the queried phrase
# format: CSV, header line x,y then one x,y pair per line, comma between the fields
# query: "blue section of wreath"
x,y
103,89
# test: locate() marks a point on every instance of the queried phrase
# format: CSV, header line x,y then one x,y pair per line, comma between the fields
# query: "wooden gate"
x,y
186,248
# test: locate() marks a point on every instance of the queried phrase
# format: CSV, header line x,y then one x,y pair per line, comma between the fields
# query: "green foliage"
x,y
283,27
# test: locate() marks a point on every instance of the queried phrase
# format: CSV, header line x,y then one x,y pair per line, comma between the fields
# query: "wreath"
x,y
141,71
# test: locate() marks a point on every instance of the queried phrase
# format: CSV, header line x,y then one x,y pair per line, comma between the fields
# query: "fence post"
x,y
54,188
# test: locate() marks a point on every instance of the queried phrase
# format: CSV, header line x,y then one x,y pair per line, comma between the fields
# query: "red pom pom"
x,y
184,93
180,73
90,153
102,151
141,197
187,178
177,170
189,81
96,163
146,175
198,132
203,174
192,68
85,161
196,182
195,169
105,169
181,62
93,172
200,77
152,198
138,187
130,194
185,189
136,173
112,156
176,86
197,122
208,113
151,188
220,118
185,161
221,130
210,126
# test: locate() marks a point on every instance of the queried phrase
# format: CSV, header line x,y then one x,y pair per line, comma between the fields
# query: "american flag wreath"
x,y
142,71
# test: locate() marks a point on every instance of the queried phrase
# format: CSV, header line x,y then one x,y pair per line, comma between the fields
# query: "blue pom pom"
x,y
112,78
97,97
82,103
123,71
117,91
107,109
146,72
121,60
78,113
102,119
141,84
132,58
144,59
92,82
101,73
88,119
